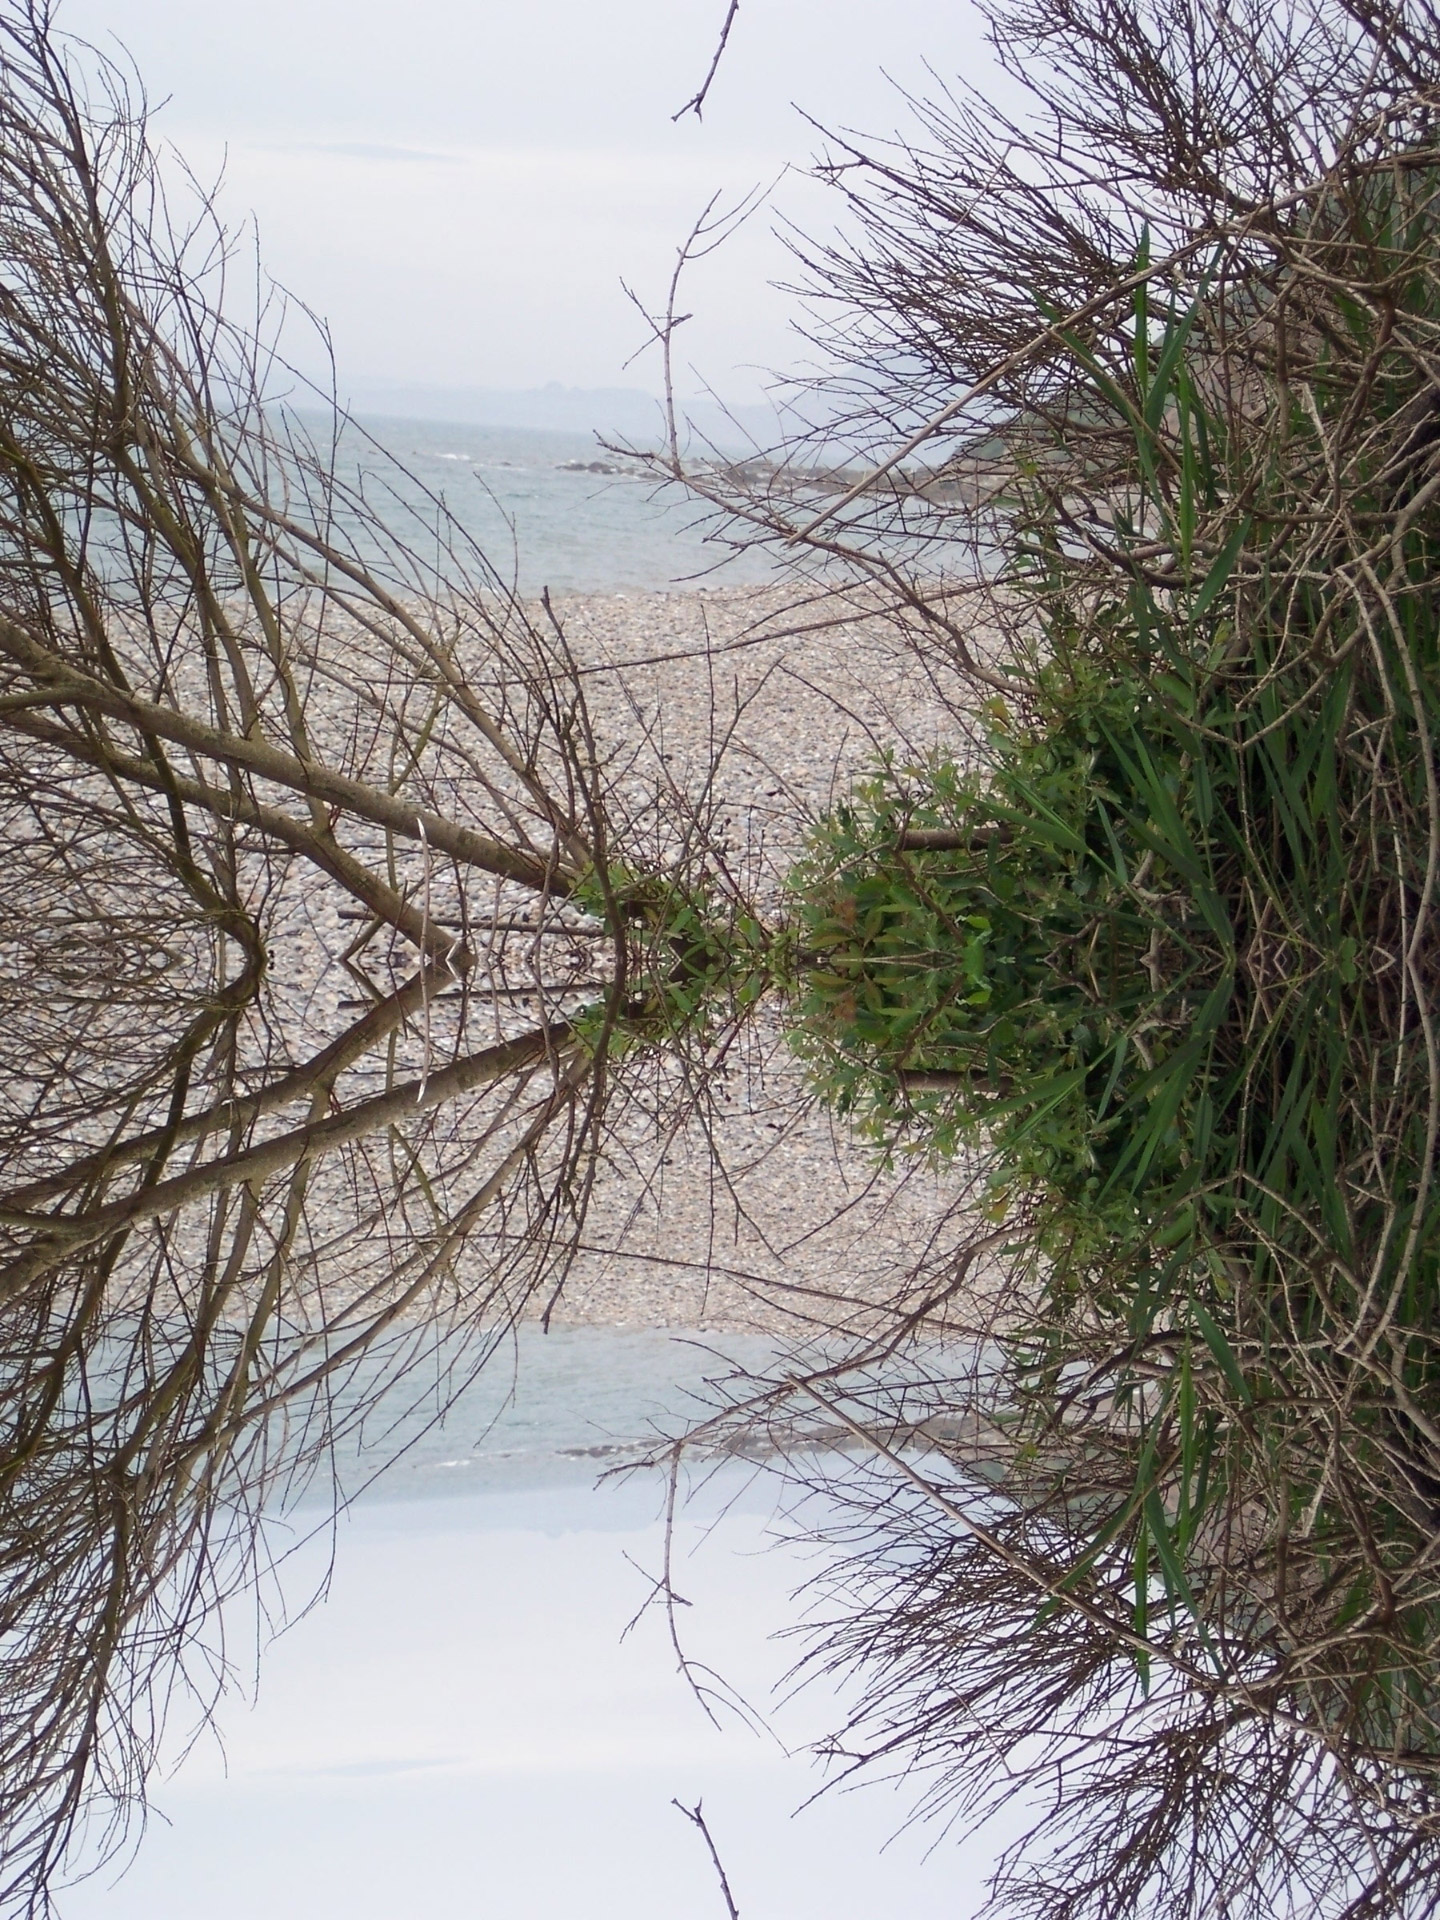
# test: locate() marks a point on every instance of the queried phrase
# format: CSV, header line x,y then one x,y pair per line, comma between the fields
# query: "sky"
x,y
452,1736
459,187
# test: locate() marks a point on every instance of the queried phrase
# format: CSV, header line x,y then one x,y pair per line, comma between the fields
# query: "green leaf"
x,y
1167,366
1220,1347
1220,571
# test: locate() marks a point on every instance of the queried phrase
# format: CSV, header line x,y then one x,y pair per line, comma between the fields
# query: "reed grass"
x,y
1165,961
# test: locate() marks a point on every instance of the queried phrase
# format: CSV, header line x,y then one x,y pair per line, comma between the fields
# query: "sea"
x,y
525,1411
547,509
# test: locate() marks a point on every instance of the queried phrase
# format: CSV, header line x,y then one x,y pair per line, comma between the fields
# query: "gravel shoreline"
x,y
763,1216
745,1208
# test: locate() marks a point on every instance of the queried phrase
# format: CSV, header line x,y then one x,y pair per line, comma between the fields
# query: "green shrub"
x,y
1155,962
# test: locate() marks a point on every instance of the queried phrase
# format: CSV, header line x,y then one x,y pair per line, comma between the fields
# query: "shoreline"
x,y
759,1215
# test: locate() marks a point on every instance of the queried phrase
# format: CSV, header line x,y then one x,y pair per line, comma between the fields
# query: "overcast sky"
x,y
459,186
452,1736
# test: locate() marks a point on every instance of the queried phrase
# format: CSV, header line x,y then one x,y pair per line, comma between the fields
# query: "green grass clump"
x,y
1164,961
1053,982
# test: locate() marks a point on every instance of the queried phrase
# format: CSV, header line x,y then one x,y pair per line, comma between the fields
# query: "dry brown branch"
x,y
259,762
696,1816
696,103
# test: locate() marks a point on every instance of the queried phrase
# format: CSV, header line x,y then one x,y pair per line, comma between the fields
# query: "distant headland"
x,y
627,412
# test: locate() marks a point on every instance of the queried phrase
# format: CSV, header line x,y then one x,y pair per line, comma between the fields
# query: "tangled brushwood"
x,y
316,934
1135,433
1140,403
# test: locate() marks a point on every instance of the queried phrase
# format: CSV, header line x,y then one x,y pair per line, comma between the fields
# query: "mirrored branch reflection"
x,y
351,947
321,930
1122,423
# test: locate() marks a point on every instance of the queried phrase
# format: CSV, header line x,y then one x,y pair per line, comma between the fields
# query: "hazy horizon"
x,y
555,406
460,191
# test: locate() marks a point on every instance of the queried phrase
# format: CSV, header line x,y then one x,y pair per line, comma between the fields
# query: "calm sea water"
x,y
544,1411
533,505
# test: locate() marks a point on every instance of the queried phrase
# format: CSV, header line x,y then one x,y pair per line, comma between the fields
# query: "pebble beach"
x,y
762,1214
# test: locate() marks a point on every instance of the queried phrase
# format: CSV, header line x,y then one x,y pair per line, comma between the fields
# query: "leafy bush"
x,y
1046,982
1165,963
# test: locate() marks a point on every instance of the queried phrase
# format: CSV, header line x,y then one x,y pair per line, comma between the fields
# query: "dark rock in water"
x,y
586,466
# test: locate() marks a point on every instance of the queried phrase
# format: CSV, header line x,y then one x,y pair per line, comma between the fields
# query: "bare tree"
x,y
318,927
